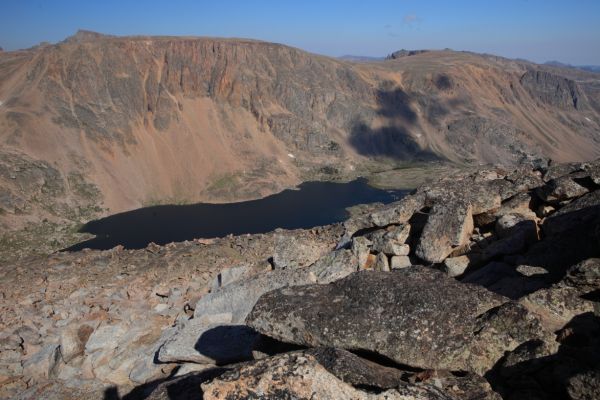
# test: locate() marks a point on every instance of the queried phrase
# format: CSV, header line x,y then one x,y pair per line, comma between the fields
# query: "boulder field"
x,y
482,285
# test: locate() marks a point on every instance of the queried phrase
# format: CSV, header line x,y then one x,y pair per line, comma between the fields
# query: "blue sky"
x,y
539,30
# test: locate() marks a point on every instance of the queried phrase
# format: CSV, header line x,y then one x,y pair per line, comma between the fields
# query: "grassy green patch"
x,y
39,239
224,182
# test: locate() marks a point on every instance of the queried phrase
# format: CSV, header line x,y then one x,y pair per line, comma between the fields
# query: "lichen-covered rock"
x,y
336,374
564,368
584,385
502,329
449,225
297,376
355,370
561,189
333,266
382,263
296,251
585,276
399,262
513,240
509,223
391,242
415,316
563,301
456,266
594,173
555,170
399,212
361,249
522,203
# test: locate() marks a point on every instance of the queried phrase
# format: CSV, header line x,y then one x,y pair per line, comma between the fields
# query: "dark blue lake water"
x,y
312,204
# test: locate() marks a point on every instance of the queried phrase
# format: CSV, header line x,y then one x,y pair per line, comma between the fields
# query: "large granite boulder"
x,y
327,373
572,296
449,225
415,316
579,214
565,368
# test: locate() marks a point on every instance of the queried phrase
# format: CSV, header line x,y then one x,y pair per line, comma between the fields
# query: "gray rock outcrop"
x,y
552,89
415,316
217,335
326,373
449,225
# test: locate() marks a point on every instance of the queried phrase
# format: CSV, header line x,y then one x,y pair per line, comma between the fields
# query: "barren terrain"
x,y
100,124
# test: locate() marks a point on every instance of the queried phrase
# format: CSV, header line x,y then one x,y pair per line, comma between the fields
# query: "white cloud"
x,y
410,19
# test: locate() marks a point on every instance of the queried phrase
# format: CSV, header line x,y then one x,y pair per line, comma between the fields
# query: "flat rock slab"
x,y
399,212
212,344
416,316
223,312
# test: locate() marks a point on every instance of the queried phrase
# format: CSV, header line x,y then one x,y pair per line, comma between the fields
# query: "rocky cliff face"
x,y
553,89
404,53
481,285
145,120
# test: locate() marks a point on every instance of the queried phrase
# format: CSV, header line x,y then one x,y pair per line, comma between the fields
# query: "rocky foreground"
x,y
483,285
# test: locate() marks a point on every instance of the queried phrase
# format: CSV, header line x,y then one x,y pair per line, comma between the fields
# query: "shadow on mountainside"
x,y
392,140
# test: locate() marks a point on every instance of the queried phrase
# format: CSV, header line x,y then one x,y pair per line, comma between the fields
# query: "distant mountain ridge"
x,y
404,53
349,57
116,123
589,68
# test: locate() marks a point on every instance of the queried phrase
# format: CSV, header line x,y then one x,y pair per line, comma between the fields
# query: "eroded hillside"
x,y
100,124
